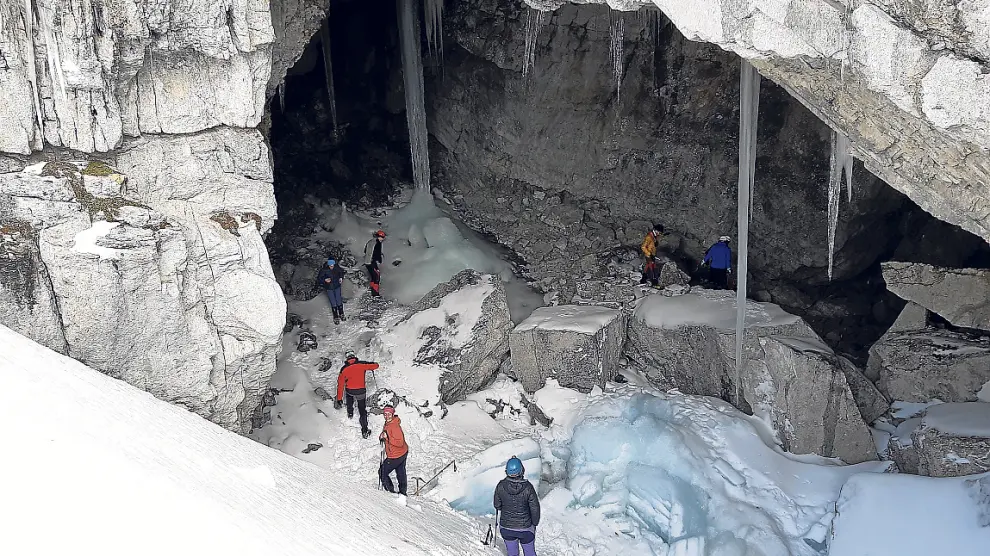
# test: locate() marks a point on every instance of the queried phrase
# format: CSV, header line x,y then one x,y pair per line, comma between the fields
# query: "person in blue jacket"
x,y
719,260
332,279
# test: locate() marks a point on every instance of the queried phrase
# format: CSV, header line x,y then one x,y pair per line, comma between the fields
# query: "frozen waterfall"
x,y
840,161
328,72
616,31
412,76
534,23
749,109
434,25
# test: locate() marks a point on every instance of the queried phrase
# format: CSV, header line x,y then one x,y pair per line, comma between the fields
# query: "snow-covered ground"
x,y
99,467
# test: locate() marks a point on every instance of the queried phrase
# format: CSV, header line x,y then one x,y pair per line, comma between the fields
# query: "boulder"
x,y
959,295
790,379
911,317
169,300
471,340
579,345
924,365
901,447
871,402
954,440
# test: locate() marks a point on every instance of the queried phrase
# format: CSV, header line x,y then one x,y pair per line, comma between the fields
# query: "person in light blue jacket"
x,y
718,258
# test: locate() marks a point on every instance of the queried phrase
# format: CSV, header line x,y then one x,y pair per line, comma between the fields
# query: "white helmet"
x,y
724,238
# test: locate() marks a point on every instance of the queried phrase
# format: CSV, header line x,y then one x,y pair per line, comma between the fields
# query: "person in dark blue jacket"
x,y
332,279
519,507
719,260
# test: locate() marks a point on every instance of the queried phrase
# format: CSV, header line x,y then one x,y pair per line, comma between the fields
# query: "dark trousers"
x,y
362,409
399,466
375,277
719,277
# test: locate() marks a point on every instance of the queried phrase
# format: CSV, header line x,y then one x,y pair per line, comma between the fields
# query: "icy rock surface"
x,y
143,467
154,284
874,78
959,295
901,505
694,472
470,364
953,439
578,345
923,365
687,342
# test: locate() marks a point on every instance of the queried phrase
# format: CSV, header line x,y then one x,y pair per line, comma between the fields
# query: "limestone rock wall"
x,y
904,79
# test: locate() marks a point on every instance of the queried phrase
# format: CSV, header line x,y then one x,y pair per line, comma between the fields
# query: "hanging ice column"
x,y
534,23
434,26
749,109
840,161
412,77
328,72
616,32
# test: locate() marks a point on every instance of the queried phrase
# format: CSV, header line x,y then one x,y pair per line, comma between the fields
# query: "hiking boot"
x,y
336,320
350,414
365,433
342,317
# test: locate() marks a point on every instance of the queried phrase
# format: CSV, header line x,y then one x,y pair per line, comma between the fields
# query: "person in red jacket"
x,y
350,382
395,449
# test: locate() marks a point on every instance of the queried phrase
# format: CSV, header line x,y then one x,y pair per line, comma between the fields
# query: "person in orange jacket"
x,y
350,382
649,249
396,450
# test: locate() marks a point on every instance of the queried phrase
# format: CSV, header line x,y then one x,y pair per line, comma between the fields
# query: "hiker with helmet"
x,y
395,448
373,257
350,383
331,278
719,260
651,272
519,507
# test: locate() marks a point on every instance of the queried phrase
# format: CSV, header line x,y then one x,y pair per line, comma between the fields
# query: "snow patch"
x,y
716,309
86,240
906,410
584,319
959,419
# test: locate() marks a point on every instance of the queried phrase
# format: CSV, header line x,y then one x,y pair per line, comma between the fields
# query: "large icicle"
x,y
749,109
434,25
616,30
412,76
840,161
328,72
534,23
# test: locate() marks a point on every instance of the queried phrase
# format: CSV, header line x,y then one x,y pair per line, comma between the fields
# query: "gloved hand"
x,y
338,404
381,438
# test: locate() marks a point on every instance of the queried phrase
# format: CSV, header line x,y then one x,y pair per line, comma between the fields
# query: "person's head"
x,y
380,235
724,239
331,263
388,412
657,229
350,358
514,467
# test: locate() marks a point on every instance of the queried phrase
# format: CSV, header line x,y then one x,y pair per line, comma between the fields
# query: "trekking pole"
x,y
495,540
381,466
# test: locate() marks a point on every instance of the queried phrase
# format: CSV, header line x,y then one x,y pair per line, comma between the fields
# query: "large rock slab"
x,y
954,440
175,301
959,295
469,363
929,364
790,379
579,345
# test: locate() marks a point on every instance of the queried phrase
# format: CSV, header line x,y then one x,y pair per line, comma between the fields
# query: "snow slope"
x,y
907,515
97,466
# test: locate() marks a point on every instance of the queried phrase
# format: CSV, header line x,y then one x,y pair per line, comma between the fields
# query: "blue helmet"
x,y
331,262
514,467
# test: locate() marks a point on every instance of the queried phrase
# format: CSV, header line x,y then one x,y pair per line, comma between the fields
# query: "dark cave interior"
x,y
368,160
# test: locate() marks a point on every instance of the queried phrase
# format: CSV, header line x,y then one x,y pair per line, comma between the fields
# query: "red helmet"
x,y
380,233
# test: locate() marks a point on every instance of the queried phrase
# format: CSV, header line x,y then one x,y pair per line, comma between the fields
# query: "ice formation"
x,y
470,489
749,108
412,76
616,32
534,22
433,14
328,72
840,161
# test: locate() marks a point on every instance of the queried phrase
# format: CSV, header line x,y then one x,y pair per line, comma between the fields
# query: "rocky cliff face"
x,y
905,80
152,269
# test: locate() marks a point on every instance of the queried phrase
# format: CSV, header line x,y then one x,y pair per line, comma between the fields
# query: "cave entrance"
x,y
366,157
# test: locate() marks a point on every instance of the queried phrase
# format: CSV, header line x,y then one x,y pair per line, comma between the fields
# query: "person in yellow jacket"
x,y
649,249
